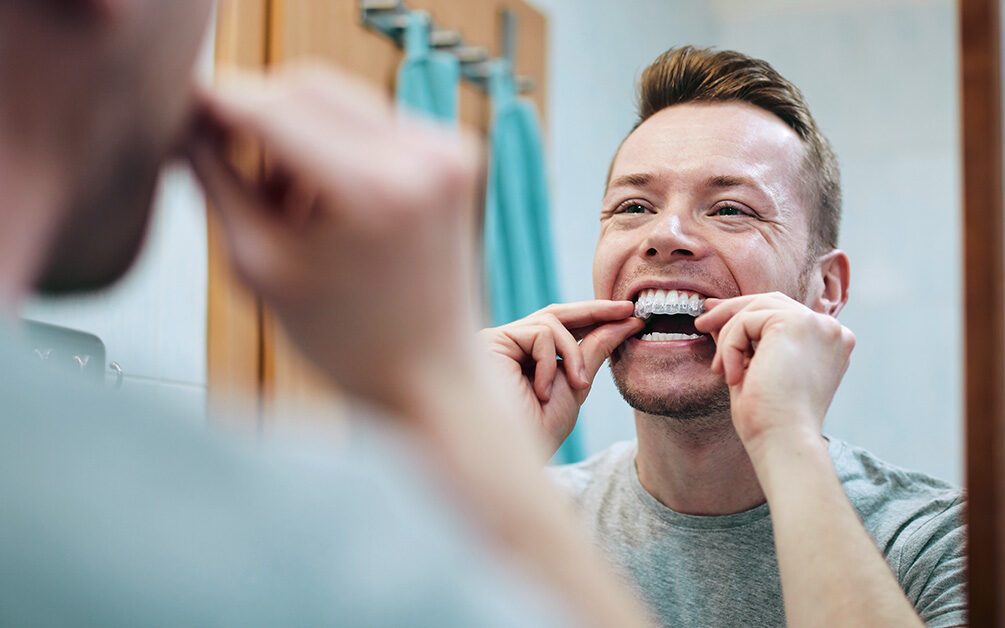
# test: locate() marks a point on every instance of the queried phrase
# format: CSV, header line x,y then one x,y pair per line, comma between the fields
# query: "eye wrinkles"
x,y
638,207
633,191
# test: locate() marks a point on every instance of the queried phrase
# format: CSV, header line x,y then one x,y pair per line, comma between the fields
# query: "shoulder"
x,y
595,472
159,509
917,522
879,489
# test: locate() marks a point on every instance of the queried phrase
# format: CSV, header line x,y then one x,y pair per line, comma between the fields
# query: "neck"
x,y
695,466
32,196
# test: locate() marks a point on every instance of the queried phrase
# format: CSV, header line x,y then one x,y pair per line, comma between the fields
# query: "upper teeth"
x,y
668,302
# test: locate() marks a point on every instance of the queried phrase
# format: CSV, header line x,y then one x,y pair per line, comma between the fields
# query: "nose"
x,y
670,239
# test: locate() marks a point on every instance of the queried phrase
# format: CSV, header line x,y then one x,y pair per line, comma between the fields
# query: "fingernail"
x,y
547,391
582,375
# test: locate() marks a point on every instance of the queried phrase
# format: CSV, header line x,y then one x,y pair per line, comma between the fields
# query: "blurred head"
x,y
93,96
724,187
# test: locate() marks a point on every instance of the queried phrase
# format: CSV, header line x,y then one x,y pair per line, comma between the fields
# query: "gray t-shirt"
x,y
117,512
722,570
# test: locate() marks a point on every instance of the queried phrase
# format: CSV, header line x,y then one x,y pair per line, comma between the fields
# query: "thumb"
x,y
221,181
252,236
602,341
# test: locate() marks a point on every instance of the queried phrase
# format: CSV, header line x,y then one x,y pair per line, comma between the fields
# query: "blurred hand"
x,y
550,392
359,231
360,236
782,362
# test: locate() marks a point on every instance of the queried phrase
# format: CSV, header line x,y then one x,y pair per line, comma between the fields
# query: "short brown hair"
x,y
691,74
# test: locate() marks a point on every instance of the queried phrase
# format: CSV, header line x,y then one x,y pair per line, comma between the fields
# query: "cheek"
x,y
608,260
757,266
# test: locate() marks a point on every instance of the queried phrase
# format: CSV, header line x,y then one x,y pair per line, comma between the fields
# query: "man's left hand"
x,y
782,362
358,232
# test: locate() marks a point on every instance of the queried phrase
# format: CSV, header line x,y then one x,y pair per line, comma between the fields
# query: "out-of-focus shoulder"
x,y
575,478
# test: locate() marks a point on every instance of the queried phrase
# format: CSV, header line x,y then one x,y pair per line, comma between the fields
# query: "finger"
x,y
718,311
289,128
256,240
587,313
736,343
602,341
348,161
569,350
340,92
232,197
532,343
294,200
545,364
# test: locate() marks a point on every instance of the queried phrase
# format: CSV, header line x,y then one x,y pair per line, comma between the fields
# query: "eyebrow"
x,y
717,181
633,180
728,181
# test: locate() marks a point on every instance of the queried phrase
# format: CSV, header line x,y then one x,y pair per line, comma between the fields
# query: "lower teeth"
x,y
656,336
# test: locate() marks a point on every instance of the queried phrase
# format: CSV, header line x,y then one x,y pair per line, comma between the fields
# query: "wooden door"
x,y
984,306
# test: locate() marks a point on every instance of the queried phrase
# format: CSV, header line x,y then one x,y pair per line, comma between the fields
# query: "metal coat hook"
x,y
390,17
510,25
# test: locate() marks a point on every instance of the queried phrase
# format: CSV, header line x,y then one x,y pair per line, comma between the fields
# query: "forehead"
x,y
715,139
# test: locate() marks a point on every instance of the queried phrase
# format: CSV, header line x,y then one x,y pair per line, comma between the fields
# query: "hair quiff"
x,y
692,74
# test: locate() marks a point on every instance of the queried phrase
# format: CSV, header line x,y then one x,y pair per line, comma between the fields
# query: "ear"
x,y
829,284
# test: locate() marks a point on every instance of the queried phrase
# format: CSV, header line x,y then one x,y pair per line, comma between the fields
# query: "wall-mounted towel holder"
x,y
390,17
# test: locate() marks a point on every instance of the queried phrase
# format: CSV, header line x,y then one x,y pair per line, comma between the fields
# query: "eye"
x,y
631,207
728,210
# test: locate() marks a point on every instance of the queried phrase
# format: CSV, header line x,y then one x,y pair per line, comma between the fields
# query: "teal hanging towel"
x,y
428,80
519,263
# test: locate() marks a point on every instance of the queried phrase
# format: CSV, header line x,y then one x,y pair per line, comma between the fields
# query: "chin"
x,y
682,389
64,277
102,237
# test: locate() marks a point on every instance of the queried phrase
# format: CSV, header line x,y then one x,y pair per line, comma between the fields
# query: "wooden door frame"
x,y
234,316
984,306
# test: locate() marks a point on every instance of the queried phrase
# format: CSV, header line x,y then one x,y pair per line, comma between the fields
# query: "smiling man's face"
x,y
704,199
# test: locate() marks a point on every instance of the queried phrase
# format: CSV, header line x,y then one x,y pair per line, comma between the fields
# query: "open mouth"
x,y
669,314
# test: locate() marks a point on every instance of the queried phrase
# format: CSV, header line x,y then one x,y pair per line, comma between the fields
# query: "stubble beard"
x,y
105,225
696,407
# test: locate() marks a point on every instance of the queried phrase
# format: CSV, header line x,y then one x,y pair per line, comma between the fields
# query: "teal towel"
x,y
519,263
427,79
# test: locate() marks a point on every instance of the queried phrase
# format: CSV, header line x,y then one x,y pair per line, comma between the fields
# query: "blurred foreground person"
x,y
113,512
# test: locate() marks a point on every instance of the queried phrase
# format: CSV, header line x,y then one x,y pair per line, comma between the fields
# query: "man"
x,y
115,512
732,509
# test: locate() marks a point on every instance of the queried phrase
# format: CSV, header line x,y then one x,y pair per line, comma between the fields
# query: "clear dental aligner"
x,y
668,302
657,336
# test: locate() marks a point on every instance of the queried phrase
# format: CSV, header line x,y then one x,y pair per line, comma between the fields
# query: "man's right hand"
x,y
582,334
